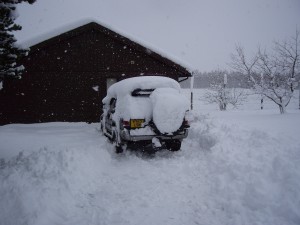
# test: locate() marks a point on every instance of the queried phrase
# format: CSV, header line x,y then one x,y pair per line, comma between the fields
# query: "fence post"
x,y
191,88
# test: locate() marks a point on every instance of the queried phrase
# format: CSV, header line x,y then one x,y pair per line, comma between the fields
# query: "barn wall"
x,y
66,80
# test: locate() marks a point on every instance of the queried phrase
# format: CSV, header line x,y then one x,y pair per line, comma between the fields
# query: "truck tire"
x,y
173,145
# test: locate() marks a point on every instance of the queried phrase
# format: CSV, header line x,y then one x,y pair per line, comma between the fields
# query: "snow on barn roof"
x,y
72,26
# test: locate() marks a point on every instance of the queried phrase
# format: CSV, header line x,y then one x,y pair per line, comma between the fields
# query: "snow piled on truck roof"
x,y
126,86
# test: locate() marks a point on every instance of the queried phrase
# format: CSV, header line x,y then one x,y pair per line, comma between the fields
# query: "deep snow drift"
x,y
236,167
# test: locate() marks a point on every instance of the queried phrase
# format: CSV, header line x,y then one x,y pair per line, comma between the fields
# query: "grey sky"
x,y
200,33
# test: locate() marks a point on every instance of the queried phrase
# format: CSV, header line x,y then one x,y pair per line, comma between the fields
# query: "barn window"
x,y
110,81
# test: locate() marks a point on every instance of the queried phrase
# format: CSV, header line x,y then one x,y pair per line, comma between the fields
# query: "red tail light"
x,y
187,119
186,123
126,124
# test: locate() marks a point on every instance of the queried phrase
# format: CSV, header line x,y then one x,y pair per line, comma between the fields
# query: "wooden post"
x,y
224,93
192,87
299,93
261,95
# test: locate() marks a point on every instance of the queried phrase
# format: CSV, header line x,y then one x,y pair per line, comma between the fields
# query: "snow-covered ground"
x,y
238,167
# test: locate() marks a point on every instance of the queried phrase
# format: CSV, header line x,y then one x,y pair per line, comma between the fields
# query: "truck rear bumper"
x,y
125,135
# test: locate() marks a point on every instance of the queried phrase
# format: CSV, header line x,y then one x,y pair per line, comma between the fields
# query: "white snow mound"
x,y
169,107
125,87
130,107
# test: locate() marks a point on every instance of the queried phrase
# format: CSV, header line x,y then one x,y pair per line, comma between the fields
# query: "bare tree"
x,y
271,75
219,94
237,97
288,57
241,64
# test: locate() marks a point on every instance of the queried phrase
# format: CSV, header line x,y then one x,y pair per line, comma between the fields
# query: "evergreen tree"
x,y
9,52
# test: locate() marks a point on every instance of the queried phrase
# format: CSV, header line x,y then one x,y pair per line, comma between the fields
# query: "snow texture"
x,y
129,107
142,131
169,108
236,167
96,88
126,86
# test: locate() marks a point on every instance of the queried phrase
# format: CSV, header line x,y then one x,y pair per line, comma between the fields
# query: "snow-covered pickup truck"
x,y
147,110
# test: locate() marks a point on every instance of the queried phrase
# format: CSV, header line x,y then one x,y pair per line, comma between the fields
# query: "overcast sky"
x,y
199,33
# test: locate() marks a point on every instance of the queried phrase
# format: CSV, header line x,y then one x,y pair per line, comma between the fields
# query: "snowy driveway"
x,y
226,173
75,178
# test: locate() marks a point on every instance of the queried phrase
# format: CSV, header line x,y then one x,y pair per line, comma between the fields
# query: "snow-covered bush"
x,y
219,94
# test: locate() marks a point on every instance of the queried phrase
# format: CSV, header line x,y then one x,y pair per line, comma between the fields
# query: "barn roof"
x,y
63,35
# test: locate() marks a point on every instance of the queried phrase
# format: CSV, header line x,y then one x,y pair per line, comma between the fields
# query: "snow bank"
x,y
250,168
235,167
46,186
32,137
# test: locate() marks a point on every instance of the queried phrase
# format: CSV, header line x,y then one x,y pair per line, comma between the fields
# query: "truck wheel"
x,y
119,146
119,149
101,127
173,145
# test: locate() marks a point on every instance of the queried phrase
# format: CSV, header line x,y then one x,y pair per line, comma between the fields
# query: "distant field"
x,y
252,102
